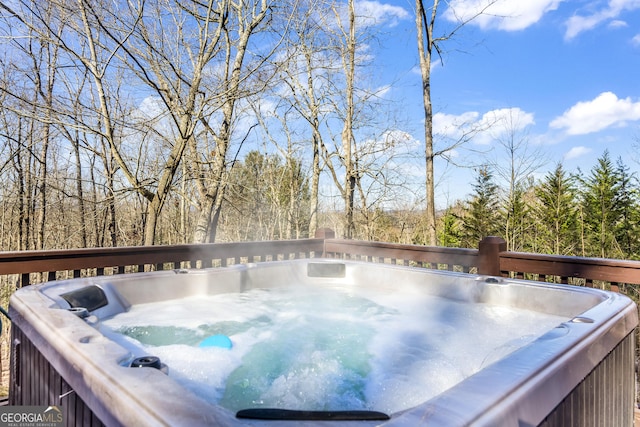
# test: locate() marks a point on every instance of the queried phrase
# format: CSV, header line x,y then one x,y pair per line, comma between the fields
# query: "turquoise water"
x,y
171,335
324,348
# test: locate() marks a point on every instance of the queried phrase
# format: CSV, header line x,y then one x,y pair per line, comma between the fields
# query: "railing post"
x,y
325,233
489,250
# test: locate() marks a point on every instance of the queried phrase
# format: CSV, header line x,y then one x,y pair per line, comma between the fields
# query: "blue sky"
x,y
566,73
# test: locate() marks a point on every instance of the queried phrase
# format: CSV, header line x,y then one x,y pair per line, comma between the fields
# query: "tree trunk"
x,y
315,183
425,29
151,221
347,132
111,208
203,223
42,189
80,192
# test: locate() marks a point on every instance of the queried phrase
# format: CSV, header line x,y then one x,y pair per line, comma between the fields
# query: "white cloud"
x,y
408,169
151,107
451,125
507,15
382,91
636,40
482,129
502,122
367,14
617,23
604,111
579,23
376,13
508,119
576,152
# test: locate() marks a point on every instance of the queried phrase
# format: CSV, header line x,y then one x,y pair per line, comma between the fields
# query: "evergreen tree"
x,y
626,230
481,217
602,208
556,213
449,234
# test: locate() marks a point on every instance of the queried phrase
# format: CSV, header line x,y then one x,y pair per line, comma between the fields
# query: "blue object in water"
x,y
222,341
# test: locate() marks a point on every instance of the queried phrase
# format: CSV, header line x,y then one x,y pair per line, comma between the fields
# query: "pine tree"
x,y
449,234
602,209
481,217
626,230
556,213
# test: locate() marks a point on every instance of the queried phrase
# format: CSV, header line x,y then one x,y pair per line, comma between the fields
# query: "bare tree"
x,y
349,100
238,24
381,180
184,64
71,34
322,98
36,60
428,42
348,140
515,160
305,67
291,179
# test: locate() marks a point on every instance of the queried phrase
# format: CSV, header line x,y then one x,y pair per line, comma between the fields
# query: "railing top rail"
x,y
568,259
70,259
332,244
418,253
606,269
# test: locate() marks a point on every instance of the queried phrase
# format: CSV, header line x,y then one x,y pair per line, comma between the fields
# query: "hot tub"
x,y
476,350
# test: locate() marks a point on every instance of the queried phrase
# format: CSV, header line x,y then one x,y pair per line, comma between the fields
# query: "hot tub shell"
x,y
580,373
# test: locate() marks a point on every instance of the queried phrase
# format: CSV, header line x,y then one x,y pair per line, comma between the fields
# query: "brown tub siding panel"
x,y
35,382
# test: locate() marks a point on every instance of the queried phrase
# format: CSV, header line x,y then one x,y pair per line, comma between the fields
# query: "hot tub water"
x,y
325,348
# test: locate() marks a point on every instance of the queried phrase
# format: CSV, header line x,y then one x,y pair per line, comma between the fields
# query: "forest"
x,y
168,122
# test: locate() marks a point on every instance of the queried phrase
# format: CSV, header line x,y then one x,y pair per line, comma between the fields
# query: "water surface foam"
x,y
329,348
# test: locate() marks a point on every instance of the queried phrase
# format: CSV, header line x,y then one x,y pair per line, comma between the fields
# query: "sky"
x,y
560,77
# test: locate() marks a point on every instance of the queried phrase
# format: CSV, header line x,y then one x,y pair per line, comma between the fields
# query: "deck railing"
x,y
38,266
491,258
